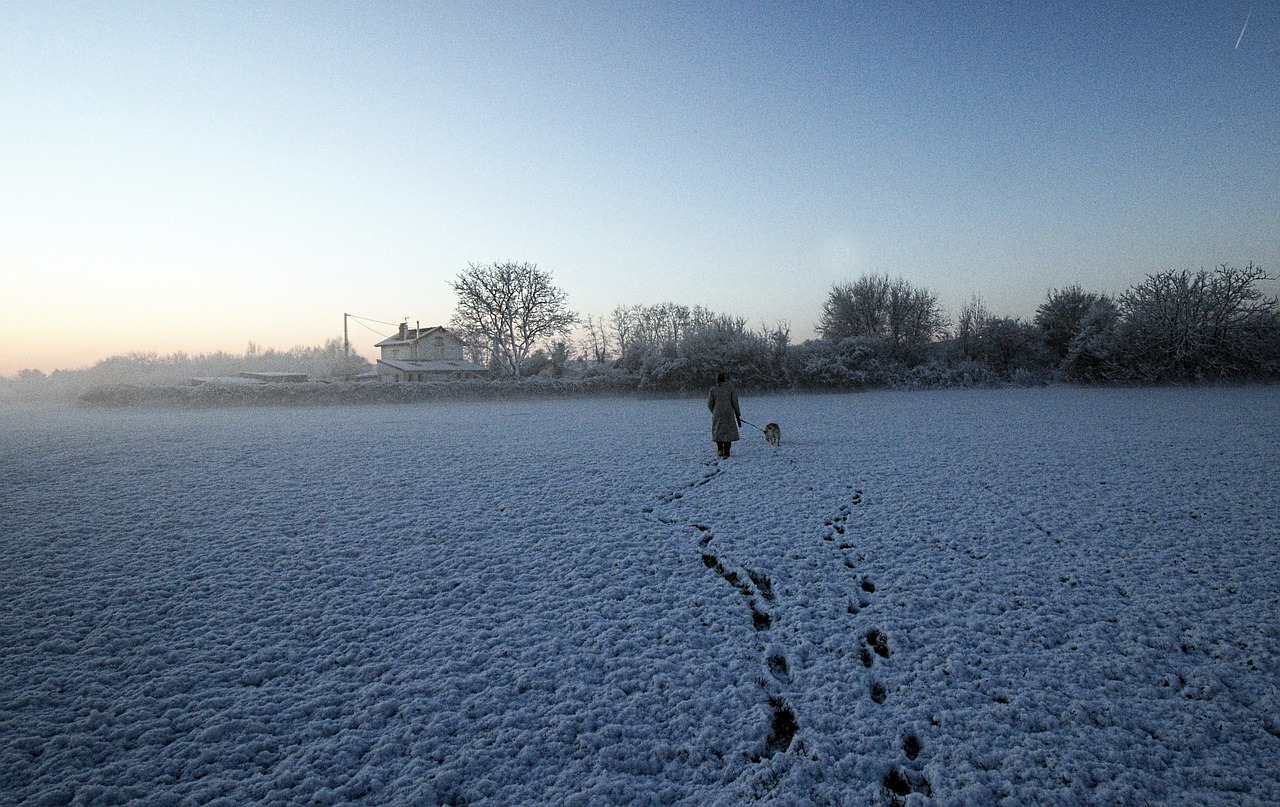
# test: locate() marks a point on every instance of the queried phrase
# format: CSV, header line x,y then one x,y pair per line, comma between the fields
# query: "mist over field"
x,y
1210,326
1008,596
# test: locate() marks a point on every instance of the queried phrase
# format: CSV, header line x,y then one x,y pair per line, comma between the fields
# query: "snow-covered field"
x,y
1049,596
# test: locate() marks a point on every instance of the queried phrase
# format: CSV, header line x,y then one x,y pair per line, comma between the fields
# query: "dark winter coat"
x,y
723,403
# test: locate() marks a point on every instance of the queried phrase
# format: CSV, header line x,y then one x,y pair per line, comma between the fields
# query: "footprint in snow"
x,y
707,477
760,619
779,668
911,745
901,783
878,693
706,535
763,587
782,727
764,584
878,642
905,780
670,497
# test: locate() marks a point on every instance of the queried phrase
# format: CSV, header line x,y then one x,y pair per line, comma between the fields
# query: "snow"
x,y
957,597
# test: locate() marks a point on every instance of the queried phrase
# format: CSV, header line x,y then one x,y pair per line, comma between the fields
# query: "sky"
x,y
198,176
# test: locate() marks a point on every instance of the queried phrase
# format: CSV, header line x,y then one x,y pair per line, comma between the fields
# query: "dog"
x,y
773,434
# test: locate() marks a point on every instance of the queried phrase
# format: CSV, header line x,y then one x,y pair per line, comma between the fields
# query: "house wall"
x,y
437,346
387,374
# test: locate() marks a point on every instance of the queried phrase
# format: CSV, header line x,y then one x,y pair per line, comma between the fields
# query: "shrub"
x,y
1211,324
1061,318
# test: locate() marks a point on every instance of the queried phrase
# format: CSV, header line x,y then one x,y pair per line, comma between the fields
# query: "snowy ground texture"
x,y
1050,596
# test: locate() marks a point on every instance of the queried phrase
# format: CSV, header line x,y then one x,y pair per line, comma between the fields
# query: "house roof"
x,y
275,376
412,335
434,366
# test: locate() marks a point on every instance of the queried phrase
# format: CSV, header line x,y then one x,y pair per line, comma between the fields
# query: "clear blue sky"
x,y
194,177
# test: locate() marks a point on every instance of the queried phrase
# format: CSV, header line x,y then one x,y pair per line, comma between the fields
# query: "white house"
x,y
423,354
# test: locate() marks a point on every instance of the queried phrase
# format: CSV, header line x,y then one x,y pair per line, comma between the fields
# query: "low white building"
x,y
423,354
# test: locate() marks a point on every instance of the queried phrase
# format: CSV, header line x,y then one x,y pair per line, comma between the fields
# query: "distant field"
x,y
1036,596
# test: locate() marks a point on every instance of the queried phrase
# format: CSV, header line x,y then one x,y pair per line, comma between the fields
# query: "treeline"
x,y
877,331
349,393
1175,326
328,361
675,347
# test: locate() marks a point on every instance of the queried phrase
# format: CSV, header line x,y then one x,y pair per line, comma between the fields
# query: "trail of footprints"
x,y
905,779
758,590
675,495
836,525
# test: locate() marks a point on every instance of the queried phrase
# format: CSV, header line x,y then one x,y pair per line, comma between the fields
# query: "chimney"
x,y
404,327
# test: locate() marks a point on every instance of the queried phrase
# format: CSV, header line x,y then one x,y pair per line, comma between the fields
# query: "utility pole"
x,y
346,342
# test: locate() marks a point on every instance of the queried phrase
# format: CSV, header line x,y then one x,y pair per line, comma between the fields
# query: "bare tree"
x,y
1179,325
644,330
970,323
909,318
855,309
511,306
596,344
625,324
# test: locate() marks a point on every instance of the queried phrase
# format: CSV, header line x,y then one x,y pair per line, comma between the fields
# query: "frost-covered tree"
x,y
640,330
595,344
1180,325
510,307
561,354
1007,344
673,346
997,347
712,343
908,317
1062,315
779,341
1092,354
971,320
624,322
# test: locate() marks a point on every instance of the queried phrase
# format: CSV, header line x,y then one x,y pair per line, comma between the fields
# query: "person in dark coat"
x,y
726,417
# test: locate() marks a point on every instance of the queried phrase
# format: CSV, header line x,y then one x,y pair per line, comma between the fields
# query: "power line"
x,y
380,322
361,324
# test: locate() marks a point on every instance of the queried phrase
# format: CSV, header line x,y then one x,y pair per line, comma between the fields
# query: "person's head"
x,y
721,378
